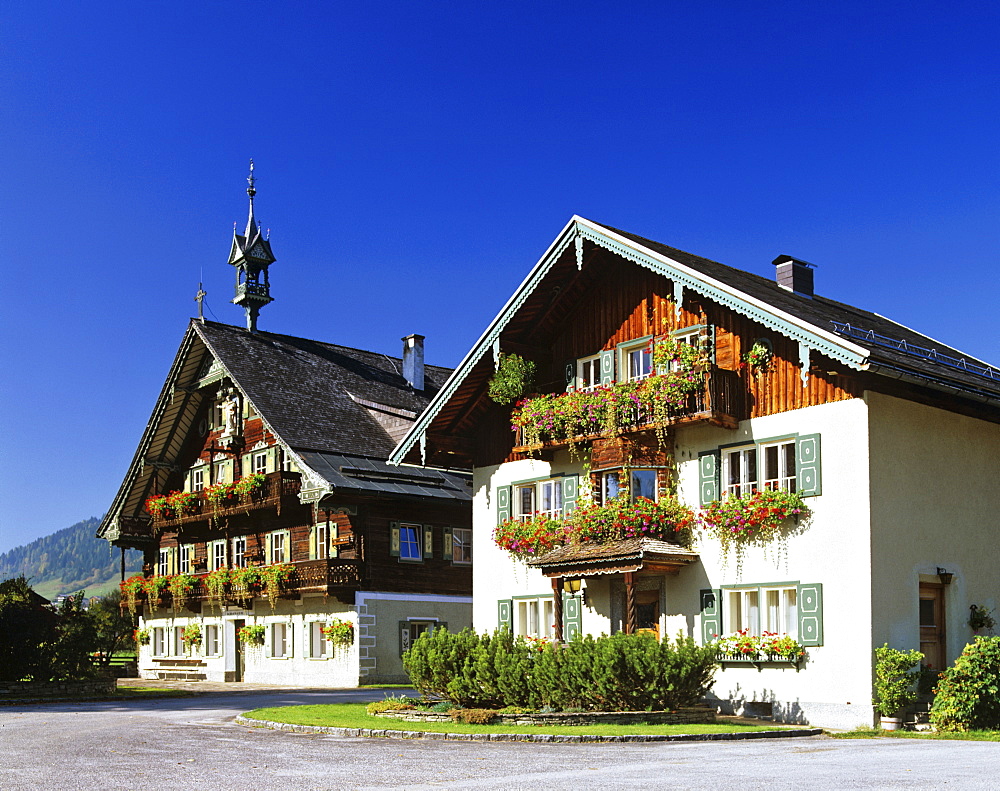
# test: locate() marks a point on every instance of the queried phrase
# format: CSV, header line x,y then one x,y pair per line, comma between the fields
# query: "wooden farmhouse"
x,y
727,457
279,546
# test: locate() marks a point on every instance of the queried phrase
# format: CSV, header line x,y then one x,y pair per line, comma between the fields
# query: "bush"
x,y
473,716
893,688
968,695
390,703
620,672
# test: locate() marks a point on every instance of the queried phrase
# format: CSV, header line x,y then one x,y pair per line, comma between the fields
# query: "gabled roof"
x,y
311,395
853,337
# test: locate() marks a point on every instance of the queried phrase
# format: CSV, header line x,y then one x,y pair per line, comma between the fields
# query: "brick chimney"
x,y
413,361
794,274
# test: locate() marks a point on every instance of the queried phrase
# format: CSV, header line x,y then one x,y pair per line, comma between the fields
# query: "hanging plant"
x,y
249,485
141,636
275,578
769,645
216,584
181,587
340,633
759,358
252,634
155,587
981,618
182,502
513,379
133,589
157,506
192,635
245,581
757,519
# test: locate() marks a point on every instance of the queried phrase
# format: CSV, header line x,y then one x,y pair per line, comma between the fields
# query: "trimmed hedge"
x,y
968,694
617,673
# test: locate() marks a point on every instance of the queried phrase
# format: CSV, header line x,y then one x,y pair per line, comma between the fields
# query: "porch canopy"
x,y
625,557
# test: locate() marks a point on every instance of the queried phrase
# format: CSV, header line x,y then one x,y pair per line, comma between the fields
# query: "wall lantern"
x,y
944,576
571,586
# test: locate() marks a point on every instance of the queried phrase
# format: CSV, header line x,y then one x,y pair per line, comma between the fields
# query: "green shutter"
x,y
708,476
288,545
608,367
569,375
246,465
404,637
810,603
807,465
572,616
570,488
505,614
269,640
394,539
289,640
503,503
272,459
428,541
447,551
711,614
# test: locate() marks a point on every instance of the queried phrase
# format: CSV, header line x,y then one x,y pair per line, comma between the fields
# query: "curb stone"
x,y
524,737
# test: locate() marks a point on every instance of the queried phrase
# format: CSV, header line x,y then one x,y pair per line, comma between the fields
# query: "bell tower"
x,y
251,255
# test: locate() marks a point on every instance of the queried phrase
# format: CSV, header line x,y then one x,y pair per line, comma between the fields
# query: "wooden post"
x,y
630,618
122,549
557,607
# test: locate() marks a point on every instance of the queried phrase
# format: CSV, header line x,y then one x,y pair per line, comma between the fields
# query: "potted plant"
x,y
514,378
245,581
191,636
893,689
252,634
141,636
217,584
133,589
274,578
758,359
249,485
181,587
155,588
340,633
981,619
182,502
158,507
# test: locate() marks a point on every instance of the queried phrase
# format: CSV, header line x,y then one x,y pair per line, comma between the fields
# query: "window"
x,y
410,630
317,641
279,641
184,554
158,642
211,641
259,462
197,479
534,617
740,471
538,497
761,610
218,555
642,483
409,542
779,465
637,361
461,545
322,540
278,546
163,566
178,646
239,552
588,372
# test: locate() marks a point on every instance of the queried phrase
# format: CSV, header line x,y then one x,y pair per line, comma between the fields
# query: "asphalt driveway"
x,y
186,743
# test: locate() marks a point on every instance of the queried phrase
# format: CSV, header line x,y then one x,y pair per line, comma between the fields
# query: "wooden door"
x,y
240,651
932,624
647,612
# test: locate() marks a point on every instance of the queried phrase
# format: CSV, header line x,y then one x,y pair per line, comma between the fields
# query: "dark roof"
x,y
303,388
831,315
365,475
629,554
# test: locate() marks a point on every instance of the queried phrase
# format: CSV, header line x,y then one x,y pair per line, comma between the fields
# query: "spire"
x,y
251,255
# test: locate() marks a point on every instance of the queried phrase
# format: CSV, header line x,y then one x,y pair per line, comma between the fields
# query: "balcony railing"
x,y
279,488
722,401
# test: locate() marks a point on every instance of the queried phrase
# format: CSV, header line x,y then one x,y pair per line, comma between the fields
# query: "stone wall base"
x,y
694,714
16,690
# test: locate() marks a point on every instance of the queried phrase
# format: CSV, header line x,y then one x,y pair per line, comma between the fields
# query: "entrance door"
x,y
239,649
932,624
647,612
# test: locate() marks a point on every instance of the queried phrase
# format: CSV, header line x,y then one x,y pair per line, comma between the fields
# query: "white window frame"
x,y
534,617
461,545
321,540
542,498
409,545
318,644
198,478
239,552
588,372
163,562
640,353
216,555
177,647
212,644
761,608
185,554
157,641
278,547
258,462
279,640
740,470
777,465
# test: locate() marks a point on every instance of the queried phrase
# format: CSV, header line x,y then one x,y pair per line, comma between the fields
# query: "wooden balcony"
x,y
280,488
723,401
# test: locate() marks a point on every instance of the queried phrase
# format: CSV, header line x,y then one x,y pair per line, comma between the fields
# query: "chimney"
x,y
413,361
794,274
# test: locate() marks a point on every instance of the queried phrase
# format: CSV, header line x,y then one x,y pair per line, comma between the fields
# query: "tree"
x,y
75,640
115,626
27,632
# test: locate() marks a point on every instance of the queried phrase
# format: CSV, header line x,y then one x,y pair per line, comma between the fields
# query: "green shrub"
x,y
968,695
893,687
390,703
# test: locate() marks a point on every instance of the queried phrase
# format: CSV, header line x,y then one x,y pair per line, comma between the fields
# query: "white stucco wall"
x,y
936,503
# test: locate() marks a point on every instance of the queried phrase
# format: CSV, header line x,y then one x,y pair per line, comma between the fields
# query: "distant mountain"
x,y
69,560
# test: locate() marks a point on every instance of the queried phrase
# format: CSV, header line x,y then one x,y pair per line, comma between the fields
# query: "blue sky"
x,y
415,159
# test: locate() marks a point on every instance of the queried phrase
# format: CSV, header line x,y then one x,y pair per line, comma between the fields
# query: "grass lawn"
x,y
353,715
875,733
